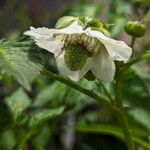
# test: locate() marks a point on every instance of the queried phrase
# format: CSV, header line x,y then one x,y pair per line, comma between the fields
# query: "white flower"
x,y
101,53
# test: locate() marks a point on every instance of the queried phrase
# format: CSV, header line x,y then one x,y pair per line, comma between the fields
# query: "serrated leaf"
x,y
18,102
39,117
21,60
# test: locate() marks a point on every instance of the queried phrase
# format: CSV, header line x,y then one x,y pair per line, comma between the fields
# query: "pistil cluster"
x,y
78,48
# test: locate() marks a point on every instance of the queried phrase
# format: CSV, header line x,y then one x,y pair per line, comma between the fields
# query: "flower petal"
x,y
45,40
39,33
117,50
103,67
73,75
74,28
51,46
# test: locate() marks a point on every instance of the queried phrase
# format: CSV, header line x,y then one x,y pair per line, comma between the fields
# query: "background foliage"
x,y
37,113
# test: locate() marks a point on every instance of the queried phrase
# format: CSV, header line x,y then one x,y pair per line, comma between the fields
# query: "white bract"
x,y
78,50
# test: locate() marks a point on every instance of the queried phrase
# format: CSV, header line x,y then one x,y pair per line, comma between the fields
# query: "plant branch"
x,y
117,111
121,116
77,87
105,90
132,42
136,60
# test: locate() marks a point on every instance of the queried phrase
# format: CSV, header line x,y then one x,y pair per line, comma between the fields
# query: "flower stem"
x,y
106,91
136,60
118,111
132,42
121,116
102,100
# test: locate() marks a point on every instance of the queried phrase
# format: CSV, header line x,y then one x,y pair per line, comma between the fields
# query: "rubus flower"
x,y
81,46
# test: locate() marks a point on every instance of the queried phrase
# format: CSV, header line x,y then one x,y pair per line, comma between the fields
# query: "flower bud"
x,y
135,28
64,21
90,22
95,24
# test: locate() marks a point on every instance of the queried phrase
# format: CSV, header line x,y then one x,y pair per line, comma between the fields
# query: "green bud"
x,y
64,21
135,28
95,24
90,22
75,56
89,76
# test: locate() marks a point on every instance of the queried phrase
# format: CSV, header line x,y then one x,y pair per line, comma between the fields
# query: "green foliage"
x,y
52,115
49,93
39,117
109,130
84,8
119,11
18,102
20,59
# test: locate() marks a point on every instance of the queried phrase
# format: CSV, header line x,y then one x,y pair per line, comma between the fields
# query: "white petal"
x,y
38,33
51,46
73,75
117,50
103,66
45,40
74,28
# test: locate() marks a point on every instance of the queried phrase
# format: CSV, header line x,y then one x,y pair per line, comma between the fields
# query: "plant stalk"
x,y
117,110
102,100
120,115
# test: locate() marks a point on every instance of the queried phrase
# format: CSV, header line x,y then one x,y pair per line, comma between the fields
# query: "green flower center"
x,y
76,56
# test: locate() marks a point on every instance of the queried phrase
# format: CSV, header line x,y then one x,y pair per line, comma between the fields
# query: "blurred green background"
x,y
52,116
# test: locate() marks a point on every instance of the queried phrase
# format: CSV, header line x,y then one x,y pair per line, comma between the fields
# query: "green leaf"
x,y
39,117
18,102
108,130
21,60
